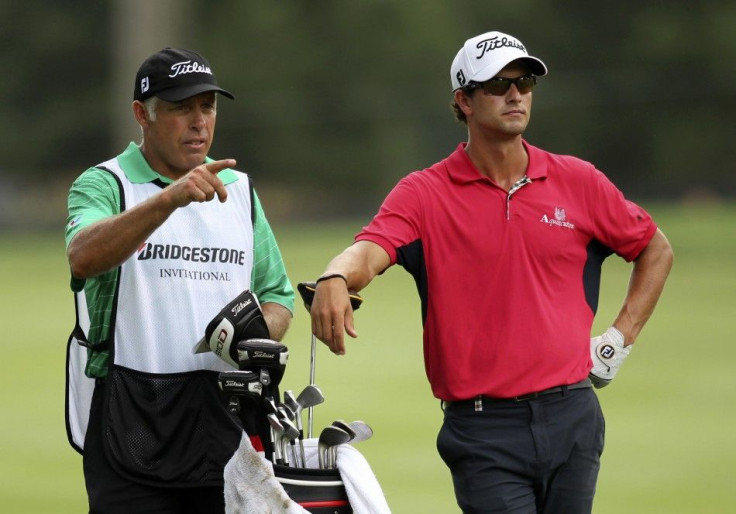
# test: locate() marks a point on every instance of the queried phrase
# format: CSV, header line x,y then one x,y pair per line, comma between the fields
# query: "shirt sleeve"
x,y
620,224
399,220
270,281
94,195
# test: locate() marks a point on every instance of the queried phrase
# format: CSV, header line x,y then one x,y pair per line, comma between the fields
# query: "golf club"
x,y
307,291
310,410
339,423
362,431
291,402
329,437
308,398
277,429
289,434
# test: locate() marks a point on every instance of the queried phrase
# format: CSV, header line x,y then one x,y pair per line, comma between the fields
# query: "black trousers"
x,y
535,456
110,493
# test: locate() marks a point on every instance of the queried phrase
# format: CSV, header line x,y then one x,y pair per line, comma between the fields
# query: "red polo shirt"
x,y
508,282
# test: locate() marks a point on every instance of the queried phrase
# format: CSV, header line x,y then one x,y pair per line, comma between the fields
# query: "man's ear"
x,y
141,113
462,101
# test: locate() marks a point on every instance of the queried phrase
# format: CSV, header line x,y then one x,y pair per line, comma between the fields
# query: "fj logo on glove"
x,y
607,351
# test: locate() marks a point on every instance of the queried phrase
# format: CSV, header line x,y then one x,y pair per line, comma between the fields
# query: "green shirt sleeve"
x,y
94,195
269,279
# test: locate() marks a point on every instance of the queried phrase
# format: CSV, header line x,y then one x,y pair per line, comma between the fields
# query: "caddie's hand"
x,y
608,353
332,314
200,184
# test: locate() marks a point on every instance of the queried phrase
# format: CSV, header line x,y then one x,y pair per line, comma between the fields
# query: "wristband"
x,y
331,276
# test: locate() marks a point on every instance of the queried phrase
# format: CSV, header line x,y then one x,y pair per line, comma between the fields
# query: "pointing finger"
x,y
216,167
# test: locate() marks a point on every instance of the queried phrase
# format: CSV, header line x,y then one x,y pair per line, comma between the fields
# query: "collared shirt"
x,y
508,280
95,195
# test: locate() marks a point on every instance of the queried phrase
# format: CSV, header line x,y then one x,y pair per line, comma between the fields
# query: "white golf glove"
x,y
608,353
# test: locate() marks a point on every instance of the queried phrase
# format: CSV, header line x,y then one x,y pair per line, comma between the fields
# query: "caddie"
x,y
160,239
505,242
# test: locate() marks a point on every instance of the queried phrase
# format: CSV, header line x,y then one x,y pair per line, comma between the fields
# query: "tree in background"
x,y
348,97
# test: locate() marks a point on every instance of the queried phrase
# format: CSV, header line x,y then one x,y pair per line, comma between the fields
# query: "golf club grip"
x,y
307,290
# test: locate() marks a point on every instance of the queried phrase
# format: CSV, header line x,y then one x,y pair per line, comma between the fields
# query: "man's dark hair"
x,y
459,114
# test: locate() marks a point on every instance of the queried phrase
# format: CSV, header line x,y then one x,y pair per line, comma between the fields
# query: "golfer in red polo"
x,y
505,242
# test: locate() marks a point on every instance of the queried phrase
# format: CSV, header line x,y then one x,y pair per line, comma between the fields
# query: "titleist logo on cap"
x,y
175,74
182,68
483,56
487,45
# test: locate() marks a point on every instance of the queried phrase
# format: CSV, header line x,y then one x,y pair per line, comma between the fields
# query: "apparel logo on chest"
x,y
559,219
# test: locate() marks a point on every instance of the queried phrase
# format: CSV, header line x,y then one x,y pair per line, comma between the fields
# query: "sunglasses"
x,y
499,86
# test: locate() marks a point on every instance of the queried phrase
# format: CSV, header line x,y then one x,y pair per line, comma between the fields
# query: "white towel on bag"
x,y
251,487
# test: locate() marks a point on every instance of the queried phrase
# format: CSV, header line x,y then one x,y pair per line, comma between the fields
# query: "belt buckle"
x,y
525,397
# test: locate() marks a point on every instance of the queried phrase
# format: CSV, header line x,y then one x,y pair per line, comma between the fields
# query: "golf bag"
x,y
252,394
320,491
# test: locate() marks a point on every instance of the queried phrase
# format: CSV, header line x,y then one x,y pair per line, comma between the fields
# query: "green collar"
x,y
138,171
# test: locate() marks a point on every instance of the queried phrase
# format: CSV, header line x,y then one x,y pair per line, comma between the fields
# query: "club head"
x,y
310,396
286,412
275,423
290,430
339,423
330,436
270,405
291,402
362,431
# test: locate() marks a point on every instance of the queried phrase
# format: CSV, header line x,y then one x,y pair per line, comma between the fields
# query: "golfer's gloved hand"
x,y
608,353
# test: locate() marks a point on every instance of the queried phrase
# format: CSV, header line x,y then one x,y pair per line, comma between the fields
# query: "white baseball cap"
x,y
482,57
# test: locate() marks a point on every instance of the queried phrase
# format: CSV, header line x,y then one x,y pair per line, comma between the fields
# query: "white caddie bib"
x,y
179,279
168,291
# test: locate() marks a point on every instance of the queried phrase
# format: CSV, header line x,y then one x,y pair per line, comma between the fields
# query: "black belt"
x,y
480,400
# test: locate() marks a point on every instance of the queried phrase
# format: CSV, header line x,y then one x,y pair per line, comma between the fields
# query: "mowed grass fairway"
x,y
671,413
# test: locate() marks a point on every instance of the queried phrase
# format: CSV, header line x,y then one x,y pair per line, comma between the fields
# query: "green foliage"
x,y
341,97
54,83
670,447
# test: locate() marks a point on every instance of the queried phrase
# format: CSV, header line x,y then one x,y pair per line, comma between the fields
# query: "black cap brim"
x,y
177,94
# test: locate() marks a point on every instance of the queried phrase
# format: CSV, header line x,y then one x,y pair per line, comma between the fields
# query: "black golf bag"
x,y
252,394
